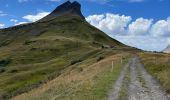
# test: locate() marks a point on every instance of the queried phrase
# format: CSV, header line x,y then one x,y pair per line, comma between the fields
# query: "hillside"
x,y
32,54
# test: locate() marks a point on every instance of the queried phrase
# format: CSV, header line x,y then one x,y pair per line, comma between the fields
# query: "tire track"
x,y
114,94
136,90
141,85
153,86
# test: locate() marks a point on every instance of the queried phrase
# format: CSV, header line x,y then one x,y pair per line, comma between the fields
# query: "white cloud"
x,y
95,19
114,24
33,18
161,28
21,23
140,27
2,25
14,20
110,23
145,42
141,33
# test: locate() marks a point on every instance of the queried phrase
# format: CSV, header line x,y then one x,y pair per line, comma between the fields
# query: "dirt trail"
x,y
141,85
114,94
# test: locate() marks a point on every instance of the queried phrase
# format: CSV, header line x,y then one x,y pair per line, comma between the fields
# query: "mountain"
x,y
32,54
64,9
167,49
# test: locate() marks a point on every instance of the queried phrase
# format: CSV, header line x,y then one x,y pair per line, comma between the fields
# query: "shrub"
x,y
13,71
5,62
100,58
2,70
80,69
75,62
29,42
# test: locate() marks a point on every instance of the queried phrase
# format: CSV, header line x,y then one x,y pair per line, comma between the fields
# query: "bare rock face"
x,y
167,49
65,8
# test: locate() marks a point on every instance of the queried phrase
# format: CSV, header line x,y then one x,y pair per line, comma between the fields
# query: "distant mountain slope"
x,y
66,20
31,54
167,49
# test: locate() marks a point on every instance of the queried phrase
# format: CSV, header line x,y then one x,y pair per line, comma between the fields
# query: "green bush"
x,y
5,62
75,62
2,70
100,58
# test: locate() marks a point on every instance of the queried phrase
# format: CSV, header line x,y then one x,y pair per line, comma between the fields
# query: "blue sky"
x,y
141,23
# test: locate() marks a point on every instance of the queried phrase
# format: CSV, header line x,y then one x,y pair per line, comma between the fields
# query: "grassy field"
x,y
89,80
158,64
33,54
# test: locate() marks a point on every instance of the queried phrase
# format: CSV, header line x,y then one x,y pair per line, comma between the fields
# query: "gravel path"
x,y
142,86
136,90
114,94
153,86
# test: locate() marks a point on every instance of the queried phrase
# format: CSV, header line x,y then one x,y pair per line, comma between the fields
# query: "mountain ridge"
x,y
65,8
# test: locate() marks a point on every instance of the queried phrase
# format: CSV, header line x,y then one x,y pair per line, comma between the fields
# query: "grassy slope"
x,y
88,80
33,54
158,64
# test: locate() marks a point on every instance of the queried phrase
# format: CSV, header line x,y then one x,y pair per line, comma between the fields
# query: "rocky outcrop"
x,y
66,8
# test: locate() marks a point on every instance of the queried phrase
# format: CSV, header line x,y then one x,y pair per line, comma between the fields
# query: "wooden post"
x,y
112,66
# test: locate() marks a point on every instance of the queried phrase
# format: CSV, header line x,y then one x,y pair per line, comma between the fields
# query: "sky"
x,y
144,24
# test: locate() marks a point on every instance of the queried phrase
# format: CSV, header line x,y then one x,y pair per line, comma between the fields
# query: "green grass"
x,y
86,80
33,53
105,82
125,86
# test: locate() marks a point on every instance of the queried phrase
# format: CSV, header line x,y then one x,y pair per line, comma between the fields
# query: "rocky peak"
x,y
66,8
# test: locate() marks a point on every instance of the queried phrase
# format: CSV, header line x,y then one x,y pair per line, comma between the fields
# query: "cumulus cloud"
x,y
2,25
115,24
140,27
145,42
110,23
95,20
135,33
33,18
161,28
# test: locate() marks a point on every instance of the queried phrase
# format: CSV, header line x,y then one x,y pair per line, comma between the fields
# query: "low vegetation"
x,y
125,86
4,62
158,64
85,81
35,53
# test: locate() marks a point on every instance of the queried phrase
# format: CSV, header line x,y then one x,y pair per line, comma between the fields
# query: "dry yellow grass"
x,y
158,64
76,82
